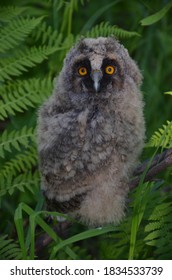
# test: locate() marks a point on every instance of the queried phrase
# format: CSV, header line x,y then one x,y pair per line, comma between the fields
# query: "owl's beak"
x,y
96,77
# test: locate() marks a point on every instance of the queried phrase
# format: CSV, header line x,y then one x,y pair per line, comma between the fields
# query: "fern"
x,y
15,66
9,250
154,230
20,163
10,12
17,148
19,96
159,230
16,31
47,35
16,140
22,182
105,29
162,137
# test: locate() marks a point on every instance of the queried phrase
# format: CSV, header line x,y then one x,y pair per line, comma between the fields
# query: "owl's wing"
x,y
65,206
59,149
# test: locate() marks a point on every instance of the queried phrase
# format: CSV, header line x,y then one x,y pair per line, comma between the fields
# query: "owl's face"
x,y
97,69
96,77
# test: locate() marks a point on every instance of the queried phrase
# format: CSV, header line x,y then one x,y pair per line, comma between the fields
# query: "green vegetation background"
x,y
34,38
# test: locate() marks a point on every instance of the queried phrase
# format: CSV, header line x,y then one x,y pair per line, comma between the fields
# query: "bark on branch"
x,y
158,164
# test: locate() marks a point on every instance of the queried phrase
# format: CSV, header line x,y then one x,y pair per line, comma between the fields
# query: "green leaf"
x,y
97,14
18,218
162,137
9,249
23,60
10,12
168,92
47,35
20,95
34,218
81,236
16,139
21,182
22,162
104,29
142,197
16,31
157,16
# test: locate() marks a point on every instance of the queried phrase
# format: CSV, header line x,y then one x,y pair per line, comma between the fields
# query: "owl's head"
x,y
97,68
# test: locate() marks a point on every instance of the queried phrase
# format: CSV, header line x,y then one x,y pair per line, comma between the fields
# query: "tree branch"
x,y
159,163
44,239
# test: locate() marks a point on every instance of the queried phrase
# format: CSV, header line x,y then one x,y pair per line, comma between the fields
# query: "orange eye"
x,y
82,71
110,70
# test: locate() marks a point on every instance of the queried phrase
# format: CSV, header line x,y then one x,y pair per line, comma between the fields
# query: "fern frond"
x,y
20,163
25,181
47,35
9,249
153,226
10,12
21,182
159,229
16,140
16,31
153,237
19,96
15,66
67,44
162,137
105,29
161,210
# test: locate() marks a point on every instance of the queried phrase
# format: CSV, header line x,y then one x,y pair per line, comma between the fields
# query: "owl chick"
x,y
91,132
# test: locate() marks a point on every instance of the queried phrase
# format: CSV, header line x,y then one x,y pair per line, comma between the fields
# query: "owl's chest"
x,y
95,127
88,141
96,138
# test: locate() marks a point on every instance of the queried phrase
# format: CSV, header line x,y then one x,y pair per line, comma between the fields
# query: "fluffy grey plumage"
x,y
91,132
